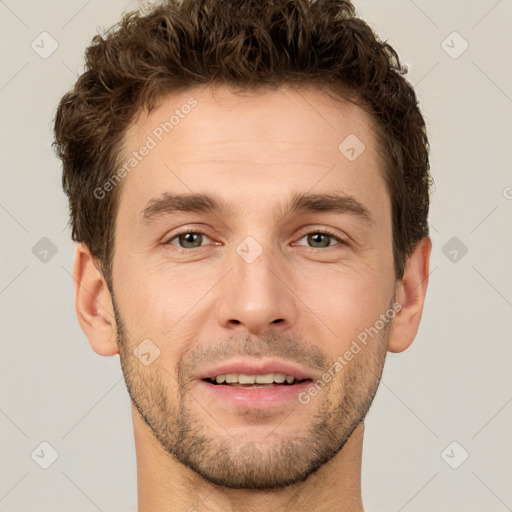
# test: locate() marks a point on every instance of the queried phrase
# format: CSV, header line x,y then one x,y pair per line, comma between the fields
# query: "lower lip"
x,y
255,397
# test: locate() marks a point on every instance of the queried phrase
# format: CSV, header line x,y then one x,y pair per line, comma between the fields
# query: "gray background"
x,y
453,384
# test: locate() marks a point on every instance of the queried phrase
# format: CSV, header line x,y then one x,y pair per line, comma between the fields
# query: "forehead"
x,y
204,116
261,145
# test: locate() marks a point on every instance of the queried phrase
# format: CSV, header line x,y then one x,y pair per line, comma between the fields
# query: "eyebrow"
x,y
168,204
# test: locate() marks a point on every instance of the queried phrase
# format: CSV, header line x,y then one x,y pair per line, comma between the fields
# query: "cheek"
x,y
345,302
159,297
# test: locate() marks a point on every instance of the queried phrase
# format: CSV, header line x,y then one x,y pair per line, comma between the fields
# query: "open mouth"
x,y
267,380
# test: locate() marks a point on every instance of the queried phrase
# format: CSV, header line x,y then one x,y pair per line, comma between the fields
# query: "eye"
x,y
193,239
322,239
188,239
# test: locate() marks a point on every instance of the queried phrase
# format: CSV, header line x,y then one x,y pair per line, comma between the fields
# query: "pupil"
x,y
316,238
190,238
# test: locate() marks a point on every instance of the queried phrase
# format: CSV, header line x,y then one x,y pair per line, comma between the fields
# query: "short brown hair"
x,y
247,45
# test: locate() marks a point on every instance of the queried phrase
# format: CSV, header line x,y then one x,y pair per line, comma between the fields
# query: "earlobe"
x,y
410,293
93,303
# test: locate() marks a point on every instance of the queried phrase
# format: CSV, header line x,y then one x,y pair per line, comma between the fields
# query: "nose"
x,y
257,296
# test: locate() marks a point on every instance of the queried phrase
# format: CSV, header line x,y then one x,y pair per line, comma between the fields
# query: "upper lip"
x,y
254,367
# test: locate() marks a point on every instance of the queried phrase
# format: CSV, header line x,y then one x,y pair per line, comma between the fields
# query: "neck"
x,y
164,484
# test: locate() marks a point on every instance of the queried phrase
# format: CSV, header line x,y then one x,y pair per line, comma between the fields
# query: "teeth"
x,y
267,378
246,379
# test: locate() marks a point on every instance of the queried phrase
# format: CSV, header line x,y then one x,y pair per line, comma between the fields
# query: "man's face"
x,y
261,288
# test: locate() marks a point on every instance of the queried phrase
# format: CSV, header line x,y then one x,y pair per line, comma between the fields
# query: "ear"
x,y
93,303
410,293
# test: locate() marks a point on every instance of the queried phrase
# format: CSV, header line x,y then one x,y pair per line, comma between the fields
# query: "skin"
x,y
302,300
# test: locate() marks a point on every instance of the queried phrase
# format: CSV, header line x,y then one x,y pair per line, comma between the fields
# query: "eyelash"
x,y
199,232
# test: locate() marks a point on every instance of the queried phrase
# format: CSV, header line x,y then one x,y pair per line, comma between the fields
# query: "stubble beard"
x,y
263,463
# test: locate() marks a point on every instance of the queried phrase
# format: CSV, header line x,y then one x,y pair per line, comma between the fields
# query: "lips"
x,y
253,384
248,368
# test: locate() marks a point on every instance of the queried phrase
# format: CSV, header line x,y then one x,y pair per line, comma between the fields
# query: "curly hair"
x,y
249,45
